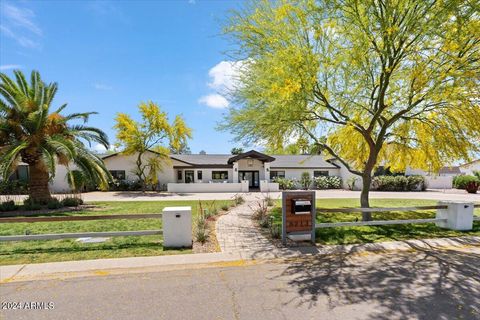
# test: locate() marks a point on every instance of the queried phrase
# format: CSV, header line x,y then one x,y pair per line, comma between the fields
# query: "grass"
x,y
20,252
369,234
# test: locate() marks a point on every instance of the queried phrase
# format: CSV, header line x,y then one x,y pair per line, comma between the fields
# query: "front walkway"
x,y
236,232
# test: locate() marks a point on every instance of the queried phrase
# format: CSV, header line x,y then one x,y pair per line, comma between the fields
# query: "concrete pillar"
x,y
458,215
266,166
177,227
235,172
244,186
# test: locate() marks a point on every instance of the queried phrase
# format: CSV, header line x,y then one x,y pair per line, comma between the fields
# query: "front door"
x,y
189,176
251,176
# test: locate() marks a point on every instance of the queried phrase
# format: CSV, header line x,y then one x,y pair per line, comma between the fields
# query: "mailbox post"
x,y
298,216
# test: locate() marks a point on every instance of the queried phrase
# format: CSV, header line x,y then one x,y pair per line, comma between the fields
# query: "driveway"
x,y
416,284
458,195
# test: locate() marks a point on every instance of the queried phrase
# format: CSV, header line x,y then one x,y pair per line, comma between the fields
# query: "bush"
x,y
30,205
125,185
201,229
225,207
8,206
305,180
461,182
54,203
72,202
13,187
327,182
398,183
238,199
472,187
285,184
269,201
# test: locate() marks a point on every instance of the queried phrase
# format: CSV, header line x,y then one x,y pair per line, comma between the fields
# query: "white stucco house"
x,y
470,167
245,172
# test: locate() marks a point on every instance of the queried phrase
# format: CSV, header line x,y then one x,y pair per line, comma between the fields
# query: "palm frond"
x,y
8,158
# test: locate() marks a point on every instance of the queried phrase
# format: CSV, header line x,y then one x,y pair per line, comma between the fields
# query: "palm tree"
x,y
31,133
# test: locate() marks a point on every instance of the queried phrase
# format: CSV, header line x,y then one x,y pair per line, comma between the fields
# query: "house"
x,y
470,167
248,171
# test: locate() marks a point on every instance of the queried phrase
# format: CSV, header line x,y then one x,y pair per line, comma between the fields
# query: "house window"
x,y
199,175
320,174
118,174
21,173
277,174
179,175
219,175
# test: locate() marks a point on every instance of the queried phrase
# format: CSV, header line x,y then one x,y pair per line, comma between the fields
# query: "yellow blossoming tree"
x,y
153,133
392,82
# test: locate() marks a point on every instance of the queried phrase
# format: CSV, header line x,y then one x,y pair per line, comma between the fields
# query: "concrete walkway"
x,y
236,231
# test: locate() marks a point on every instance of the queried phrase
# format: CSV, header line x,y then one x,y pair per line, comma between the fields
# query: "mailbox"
x,y
298,216
302,206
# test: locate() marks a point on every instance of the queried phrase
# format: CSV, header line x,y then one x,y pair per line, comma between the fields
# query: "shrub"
x,y
13,187
398,183
269,201
72,202
54,203
30,205
351,183
305,180
285,184
328,182
260,211
472,187
225,207
201,229
238,199
8,206
461,182
477,174
275,230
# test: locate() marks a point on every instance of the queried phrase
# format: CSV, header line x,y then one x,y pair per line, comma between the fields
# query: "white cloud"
x,y
10,66
214,100
225,75
18,24
102,86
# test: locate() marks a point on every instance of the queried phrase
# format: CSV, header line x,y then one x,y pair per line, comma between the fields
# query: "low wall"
x,y
439,182
207,187
266,186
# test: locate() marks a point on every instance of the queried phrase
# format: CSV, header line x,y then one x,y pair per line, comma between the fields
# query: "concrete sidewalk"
x,y
100,267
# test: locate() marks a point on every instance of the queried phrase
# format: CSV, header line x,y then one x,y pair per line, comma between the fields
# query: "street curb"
x,y
104,267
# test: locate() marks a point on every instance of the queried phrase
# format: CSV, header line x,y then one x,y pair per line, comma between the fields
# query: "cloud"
x,y
102,86
10,66
225,75
18,24
100,148
215,101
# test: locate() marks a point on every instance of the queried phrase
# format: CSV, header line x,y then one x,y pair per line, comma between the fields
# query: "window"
x,y
118,174
219,175
179,175
199,175
277,174
21,173
320,174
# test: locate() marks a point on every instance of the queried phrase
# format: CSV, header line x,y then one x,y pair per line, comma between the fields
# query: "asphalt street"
x,y
418,284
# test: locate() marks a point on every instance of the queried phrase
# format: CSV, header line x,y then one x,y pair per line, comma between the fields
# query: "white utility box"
x,y
458,215
177,227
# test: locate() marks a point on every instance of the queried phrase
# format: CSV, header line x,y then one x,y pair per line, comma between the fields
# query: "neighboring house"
x,y
469,168
251,170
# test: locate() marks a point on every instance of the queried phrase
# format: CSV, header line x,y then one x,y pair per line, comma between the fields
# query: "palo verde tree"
x,y
31,132
368,81
152,133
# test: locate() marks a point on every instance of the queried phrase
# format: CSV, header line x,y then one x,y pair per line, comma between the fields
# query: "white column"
x,y
235,172
266,166
458,215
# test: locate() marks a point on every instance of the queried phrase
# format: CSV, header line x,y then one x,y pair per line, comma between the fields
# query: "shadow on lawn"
x,y
426,284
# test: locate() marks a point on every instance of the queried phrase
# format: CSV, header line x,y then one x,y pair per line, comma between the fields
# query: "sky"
x,y
108,56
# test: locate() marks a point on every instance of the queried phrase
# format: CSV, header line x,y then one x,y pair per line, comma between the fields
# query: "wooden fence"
x,y
81,234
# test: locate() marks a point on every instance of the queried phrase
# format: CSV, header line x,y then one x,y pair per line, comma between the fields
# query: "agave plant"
x,y
30,132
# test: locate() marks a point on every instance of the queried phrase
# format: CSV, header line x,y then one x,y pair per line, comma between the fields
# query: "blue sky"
x,y
109,56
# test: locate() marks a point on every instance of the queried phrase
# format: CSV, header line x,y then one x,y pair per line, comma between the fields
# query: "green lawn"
x,y
368,234
68,249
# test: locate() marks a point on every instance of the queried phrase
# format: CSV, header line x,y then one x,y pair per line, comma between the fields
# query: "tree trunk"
x,y
38,183
364,196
